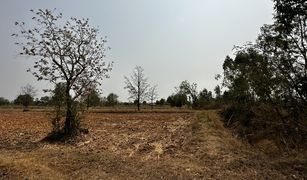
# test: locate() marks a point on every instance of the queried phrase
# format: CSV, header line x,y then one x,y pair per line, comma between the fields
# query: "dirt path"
x,y
137,146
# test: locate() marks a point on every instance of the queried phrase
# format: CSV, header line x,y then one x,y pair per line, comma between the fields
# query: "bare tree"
x,y
69,52
137,85
153,95
28,89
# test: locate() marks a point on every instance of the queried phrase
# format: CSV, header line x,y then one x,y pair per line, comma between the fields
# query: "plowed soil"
x,y
137,146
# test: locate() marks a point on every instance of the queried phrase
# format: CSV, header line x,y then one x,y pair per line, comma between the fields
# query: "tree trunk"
x,y
138,104
69,128
139,94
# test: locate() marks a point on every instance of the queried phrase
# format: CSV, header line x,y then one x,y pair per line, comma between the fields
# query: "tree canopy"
x,y
65,51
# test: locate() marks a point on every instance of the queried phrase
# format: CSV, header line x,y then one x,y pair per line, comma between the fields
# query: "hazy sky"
x,y
173,40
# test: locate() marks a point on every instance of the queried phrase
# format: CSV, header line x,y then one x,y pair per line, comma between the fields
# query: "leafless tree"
x,y
153,95
69,52
137,85
28,89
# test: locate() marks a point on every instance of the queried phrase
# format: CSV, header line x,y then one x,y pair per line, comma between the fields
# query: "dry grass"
x,y
146,145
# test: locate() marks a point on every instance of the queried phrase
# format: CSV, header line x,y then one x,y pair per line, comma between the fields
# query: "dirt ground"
x,y
137,146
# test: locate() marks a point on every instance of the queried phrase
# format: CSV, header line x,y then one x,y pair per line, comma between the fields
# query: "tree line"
x,y
92,99
182,97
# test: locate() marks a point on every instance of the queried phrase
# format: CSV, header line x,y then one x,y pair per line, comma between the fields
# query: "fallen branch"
x,y
228,122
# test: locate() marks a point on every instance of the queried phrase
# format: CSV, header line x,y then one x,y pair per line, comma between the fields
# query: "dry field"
x,y
160,145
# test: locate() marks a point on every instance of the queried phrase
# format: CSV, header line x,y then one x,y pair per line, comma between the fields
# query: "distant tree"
x,y
137,85
69,52
28,89
205,98
112,99
92,98
219,100
4,101
103,100
26,96
177,100
58,98
24,99
45,100
153,95
170,100
190,90
217,91
161,102
206,95
36,102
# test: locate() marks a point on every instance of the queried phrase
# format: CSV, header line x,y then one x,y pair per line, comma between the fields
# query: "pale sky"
x,y
173,40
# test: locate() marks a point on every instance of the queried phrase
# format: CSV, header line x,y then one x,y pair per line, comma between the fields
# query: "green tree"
x,y
249,76
204,98
177,100
190,91
45,100
161,102
71,52
4,101
58,98
112,99
92,99
284,43
24,99
218,92
206,95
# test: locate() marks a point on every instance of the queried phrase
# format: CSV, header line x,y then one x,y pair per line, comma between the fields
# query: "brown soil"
x,y
137,146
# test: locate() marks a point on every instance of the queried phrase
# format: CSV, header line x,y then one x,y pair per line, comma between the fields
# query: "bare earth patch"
x,y
137,146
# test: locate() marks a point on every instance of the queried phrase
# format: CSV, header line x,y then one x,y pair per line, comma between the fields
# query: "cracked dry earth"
x,y
137,146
